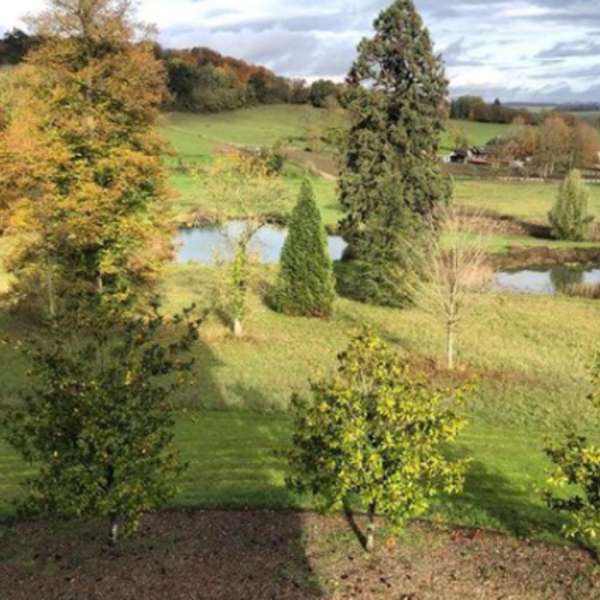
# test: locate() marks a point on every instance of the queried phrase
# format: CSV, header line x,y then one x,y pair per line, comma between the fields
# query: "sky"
x,y
515,50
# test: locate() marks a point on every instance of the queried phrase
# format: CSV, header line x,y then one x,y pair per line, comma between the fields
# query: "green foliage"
x,y
390,182
321,90
98,424
569,218
578,465
375,432
306,283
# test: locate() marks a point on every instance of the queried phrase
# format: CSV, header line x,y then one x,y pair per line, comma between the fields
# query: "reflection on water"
x,y
205,244
546,280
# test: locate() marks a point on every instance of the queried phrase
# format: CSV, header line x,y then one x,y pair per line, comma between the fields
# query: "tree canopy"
x,y
80,163
390,183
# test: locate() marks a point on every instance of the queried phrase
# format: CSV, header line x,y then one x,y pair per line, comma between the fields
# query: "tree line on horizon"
x,y
202,80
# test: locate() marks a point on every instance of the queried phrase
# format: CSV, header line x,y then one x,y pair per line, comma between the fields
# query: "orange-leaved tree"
x,y
80,160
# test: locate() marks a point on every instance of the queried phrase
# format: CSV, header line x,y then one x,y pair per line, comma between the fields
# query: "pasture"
x,y
530,356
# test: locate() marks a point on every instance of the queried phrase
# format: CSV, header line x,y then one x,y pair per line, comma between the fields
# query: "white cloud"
x,y
496,47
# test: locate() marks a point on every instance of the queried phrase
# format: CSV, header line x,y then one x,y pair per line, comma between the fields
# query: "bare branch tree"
x,y
458,274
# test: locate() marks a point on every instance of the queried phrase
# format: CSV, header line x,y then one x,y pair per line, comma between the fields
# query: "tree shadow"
x,y
350,517
489,497
177,554
240,537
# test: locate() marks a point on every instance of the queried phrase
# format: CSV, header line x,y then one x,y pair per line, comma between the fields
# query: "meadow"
x,y
530,357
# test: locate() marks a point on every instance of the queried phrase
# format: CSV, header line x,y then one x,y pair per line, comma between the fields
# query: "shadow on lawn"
x,y
237,552
494,501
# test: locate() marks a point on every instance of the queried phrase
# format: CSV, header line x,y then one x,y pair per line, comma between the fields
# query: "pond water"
x,y
545,280
206,244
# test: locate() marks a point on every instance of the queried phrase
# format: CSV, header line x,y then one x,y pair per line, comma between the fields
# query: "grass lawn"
x,y
233,462
190,197
530,201
531,355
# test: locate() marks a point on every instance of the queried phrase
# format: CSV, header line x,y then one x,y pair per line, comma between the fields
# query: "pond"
x,y
210,242
546,280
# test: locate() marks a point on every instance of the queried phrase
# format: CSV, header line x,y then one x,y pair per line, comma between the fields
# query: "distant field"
x,y
592,115
196,138
479,133
524,200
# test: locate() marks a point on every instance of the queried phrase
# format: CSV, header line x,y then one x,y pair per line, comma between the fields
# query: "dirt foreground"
x,y
281,555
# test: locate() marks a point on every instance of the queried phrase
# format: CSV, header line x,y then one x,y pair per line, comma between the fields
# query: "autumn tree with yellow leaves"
x,y
80,164
80,167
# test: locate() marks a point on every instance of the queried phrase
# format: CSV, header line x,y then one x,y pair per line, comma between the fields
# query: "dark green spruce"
x,y
390,182
306,285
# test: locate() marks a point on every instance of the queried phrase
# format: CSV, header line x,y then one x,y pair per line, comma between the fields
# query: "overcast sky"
x,y
518,50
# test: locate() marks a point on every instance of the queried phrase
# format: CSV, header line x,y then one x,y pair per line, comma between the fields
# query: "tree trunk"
x,y
450,346
370,542
238,328
113,534
50,292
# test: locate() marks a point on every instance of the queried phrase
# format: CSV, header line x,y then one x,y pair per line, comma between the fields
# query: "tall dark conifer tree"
x,y
390,181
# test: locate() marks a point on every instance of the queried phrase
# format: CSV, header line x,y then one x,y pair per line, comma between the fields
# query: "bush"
x,y
306,285
569,218
98,423
375,433
578,466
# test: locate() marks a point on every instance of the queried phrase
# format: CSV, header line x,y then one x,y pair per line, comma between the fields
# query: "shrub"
x,y
569,218
98,424
577,463
306,285
375,433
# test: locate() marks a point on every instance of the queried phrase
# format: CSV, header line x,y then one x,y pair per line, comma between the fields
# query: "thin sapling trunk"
x,y
370,542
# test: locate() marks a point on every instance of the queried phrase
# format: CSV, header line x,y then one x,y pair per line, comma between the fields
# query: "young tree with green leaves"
x,y
390,183
306,284
374,433
251,190
577,463
570,218
98,424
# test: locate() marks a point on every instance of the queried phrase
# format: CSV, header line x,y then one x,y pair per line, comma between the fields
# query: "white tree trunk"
x,y
238,328
450,346
113,530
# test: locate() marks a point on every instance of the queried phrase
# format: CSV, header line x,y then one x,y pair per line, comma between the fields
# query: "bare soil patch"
x,y
281,555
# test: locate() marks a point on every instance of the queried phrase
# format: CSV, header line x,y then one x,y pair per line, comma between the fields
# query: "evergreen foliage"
x,y
98,424
569,218
375,433
390,182
306,283
577,463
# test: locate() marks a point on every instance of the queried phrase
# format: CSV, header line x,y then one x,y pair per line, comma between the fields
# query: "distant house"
x,y
473,156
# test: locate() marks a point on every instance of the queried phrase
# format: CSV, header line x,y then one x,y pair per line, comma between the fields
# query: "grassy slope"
x,y
479,133
196,137
531,354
